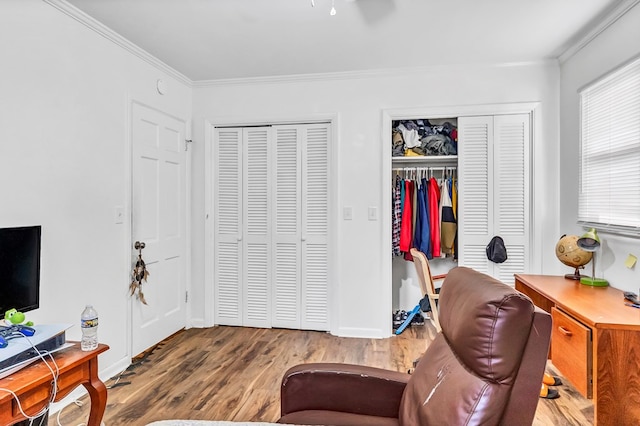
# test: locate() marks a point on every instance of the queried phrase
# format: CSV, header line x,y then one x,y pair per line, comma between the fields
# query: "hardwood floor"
x,y
233,373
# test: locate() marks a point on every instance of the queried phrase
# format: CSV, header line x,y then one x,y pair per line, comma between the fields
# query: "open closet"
x,y
482,171
424,196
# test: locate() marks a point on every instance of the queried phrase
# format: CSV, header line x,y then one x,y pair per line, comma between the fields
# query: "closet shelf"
x,y
427,159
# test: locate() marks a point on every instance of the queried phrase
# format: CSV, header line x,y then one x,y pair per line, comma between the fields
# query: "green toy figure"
x,y
13,317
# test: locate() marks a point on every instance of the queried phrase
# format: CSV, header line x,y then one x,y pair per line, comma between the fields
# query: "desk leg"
x,y
98,394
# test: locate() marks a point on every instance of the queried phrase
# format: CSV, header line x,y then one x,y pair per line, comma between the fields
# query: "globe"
x,y
568,252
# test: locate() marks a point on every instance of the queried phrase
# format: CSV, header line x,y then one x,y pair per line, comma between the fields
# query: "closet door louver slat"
x,y
315,298
510,180
286,289
316,181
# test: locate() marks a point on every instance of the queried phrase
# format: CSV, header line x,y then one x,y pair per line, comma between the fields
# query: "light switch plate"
x,y
347,213
373,213
118,215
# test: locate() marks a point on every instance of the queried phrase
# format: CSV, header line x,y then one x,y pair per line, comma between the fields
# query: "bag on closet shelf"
x,y
496,251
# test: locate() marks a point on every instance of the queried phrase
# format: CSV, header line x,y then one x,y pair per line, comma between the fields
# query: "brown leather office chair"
x,y
485,367
427,284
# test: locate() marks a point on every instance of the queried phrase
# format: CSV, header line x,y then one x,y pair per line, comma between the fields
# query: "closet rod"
x,y
410,169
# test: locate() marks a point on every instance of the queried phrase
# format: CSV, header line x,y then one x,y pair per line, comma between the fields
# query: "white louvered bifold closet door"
x,y
512,192
315,228
287,227
475,187
494,186
256,219
227,220
271,226
301,226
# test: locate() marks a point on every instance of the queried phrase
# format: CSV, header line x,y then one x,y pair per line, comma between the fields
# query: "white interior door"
x,y
159,205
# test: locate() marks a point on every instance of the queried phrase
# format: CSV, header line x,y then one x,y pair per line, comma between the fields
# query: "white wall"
x,y
361,288
611,48
64,161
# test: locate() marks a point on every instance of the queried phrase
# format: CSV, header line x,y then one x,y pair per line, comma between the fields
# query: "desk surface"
x,y
592,305
32,384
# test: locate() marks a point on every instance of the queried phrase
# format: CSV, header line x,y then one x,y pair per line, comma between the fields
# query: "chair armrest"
x,y
342,387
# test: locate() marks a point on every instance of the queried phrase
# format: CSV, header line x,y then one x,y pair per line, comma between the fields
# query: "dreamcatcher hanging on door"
x,y
139,274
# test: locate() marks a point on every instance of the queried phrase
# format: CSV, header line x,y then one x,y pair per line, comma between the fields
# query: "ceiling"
x,y
223,39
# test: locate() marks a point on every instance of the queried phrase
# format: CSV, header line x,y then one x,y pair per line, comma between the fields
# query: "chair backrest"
x,y
424,271
426,284
487,364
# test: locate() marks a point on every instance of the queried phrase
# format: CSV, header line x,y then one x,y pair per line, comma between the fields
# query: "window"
x,y
610,152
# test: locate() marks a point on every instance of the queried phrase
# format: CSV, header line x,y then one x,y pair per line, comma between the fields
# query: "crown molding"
x,y
363,74
109,34
587,37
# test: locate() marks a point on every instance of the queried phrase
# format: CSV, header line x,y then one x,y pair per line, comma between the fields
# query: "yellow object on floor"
x,y
547,393
550,380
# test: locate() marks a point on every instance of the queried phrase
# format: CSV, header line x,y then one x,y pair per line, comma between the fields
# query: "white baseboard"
x,y
367,333
197,323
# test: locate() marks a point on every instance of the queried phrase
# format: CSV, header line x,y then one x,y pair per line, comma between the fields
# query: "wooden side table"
x,y
595,343
33,384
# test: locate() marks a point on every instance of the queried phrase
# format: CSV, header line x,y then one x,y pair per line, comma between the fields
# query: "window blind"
x,y
610,152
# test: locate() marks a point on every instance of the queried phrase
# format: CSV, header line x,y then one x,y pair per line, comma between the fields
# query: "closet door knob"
x,y
239,238
303,238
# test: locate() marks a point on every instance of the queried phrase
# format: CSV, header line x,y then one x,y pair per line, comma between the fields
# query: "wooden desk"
x,y
33,385
606,367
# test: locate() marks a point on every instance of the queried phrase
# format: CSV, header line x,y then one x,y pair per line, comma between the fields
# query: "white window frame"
x,y
609,186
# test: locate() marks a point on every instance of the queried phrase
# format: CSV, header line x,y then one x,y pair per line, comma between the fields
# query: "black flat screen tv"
x,y
20,268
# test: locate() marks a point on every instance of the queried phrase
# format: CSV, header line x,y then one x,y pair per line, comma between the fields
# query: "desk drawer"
x,y
571,351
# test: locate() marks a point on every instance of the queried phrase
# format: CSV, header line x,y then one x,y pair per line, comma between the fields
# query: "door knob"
x,y
139,245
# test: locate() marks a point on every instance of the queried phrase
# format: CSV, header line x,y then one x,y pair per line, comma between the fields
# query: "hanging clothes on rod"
x,y
397,214
447,218
424,211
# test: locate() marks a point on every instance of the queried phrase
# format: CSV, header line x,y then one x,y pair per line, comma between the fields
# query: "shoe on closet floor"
x,y
418,319
398,318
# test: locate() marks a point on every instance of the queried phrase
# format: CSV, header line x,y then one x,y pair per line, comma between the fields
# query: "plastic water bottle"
x,y
89,325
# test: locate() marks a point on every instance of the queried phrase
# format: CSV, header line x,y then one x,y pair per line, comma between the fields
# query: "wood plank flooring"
x,y
233,373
